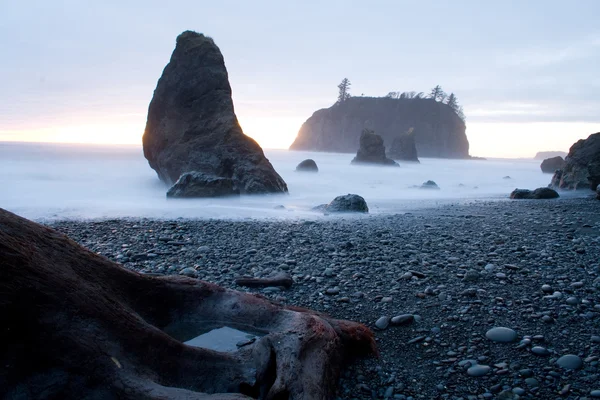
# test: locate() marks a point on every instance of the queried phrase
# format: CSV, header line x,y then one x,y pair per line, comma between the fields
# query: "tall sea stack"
x,y
192,126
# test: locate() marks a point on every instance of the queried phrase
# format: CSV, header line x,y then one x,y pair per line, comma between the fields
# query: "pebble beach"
x,y
487,300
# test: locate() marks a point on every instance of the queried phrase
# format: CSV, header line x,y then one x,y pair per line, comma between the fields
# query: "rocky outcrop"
x,y
438,131
192,126
75,325
429,185
307,165
349,203
403,148
372,150
582,165
550,165
539,193
542,155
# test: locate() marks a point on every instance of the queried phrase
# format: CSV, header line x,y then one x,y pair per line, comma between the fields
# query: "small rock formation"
x,y
372,150
582,165
349,203
192,127
542,155
429,185
197,184
77,326
539,193
439,131
307,165
550,165
403,147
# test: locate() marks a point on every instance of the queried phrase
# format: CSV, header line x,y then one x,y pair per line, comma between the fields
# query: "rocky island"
x,y
438,130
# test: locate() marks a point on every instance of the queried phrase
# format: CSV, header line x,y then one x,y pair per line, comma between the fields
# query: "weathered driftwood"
x,y
279,279
75,325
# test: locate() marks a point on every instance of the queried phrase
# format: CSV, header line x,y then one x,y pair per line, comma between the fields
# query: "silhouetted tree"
x,y
452,101
393,95
419,95
344,93
437,93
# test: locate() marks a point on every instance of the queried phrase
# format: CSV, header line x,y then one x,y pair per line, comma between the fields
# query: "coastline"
x,y
459,270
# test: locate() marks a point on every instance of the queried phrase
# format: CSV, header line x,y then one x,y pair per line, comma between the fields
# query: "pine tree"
x,y
344,93
437,94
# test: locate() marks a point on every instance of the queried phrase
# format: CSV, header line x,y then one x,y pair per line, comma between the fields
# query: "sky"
x,y
526,72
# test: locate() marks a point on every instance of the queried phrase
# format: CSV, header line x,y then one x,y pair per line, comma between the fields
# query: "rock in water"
x,y
582,165
192,127
307,165
539,193
550,165
197,184
348,203
403,147
372,150
439,131
429,185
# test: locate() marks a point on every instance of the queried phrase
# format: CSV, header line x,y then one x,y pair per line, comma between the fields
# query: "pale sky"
x,y
526,72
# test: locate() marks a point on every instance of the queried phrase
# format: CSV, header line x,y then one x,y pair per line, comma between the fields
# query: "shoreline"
x,y
457,270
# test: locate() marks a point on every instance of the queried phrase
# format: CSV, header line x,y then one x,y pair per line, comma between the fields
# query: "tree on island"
x,y
344,90
452,102
437,93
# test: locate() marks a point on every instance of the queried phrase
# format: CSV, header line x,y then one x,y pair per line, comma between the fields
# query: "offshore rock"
x,y
192,126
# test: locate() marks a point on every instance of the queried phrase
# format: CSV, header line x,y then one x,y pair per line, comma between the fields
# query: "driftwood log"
x,y
75,325
277,279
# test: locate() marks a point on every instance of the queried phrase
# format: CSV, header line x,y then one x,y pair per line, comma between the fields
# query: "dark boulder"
x,y
582,165
539,193
429,185
197,184
192,126
75,325
403,147
372,150
307,165
349,203
550,165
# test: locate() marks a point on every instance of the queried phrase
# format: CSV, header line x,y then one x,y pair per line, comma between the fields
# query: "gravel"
x,y
436,282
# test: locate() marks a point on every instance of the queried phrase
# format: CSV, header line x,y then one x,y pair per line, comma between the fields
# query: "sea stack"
x,y
403,147
192,126
372,150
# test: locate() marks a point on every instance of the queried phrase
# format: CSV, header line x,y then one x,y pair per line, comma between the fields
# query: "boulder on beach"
x,y
307,165
76,325
582,166
429,185
550,165
197,184
403,147
372,150
349,203
192,126
539,193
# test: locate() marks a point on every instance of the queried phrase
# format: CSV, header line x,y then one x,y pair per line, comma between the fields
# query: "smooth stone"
x,y
532,382
501,334
402,319
519,391
570,361
540,351
382,322
595,394
478,370
572,301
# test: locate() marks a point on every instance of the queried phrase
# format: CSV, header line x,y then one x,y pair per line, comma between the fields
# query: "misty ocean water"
x,y
61,181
